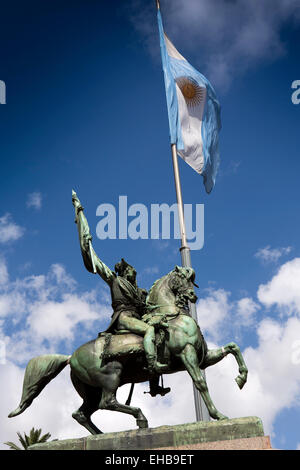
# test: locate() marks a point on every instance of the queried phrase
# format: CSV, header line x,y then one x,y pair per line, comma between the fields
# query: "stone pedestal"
x,y
239,434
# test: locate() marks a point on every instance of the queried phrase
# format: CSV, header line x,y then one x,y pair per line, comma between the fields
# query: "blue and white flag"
x,y
193,110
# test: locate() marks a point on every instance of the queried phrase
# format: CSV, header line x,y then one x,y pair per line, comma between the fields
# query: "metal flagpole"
x,y
200,407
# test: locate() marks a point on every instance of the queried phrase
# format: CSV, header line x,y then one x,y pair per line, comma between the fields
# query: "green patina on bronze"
x,y
150,333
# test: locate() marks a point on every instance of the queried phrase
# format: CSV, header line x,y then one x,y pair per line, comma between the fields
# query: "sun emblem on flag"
x,y
192,92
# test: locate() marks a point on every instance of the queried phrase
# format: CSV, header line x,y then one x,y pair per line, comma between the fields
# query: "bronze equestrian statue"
x,y
119,355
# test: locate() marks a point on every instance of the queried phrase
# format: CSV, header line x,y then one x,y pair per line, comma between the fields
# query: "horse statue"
x,y
101,366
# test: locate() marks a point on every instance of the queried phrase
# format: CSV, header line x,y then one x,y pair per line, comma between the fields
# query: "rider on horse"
x,y
128,300
183,346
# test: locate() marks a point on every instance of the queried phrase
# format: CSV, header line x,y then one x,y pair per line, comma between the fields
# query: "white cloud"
x,y
212,311
5,305
227,37
217,314
9,230
272,255
34,200
3,272
61,277
57,320
246,309
273,381
284,288
45,310
274,376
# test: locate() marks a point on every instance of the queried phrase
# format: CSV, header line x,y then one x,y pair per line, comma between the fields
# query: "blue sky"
x,y
86,110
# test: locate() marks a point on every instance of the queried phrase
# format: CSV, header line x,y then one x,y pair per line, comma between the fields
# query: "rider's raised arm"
x,y
104,271
91,261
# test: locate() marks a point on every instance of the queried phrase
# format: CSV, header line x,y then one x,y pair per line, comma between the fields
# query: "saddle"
x,y
155,388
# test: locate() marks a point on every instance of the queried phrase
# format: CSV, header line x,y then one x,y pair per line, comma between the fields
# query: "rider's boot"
x,y
156,389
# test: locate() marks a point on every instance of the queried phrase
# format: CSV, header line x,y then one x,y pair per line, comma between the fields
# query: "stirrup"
x,y
159,391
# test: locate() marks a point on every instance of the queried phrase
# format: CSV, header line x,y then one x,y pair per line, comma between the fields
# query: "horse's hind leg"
x,y
91,397
216,355
190,360
83,415
109,400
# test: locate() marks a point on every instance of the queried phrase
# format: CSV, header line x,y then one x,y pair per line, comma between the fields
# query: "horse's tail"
x,y
39,372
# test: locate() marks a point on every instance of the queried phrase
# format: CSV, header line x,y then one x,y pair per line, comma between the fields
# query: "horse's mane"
x,y
157,281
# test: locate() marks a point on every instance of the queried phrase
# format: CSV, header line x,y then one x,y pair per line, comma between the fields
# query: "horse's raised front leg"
x,y
216,355
190,360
